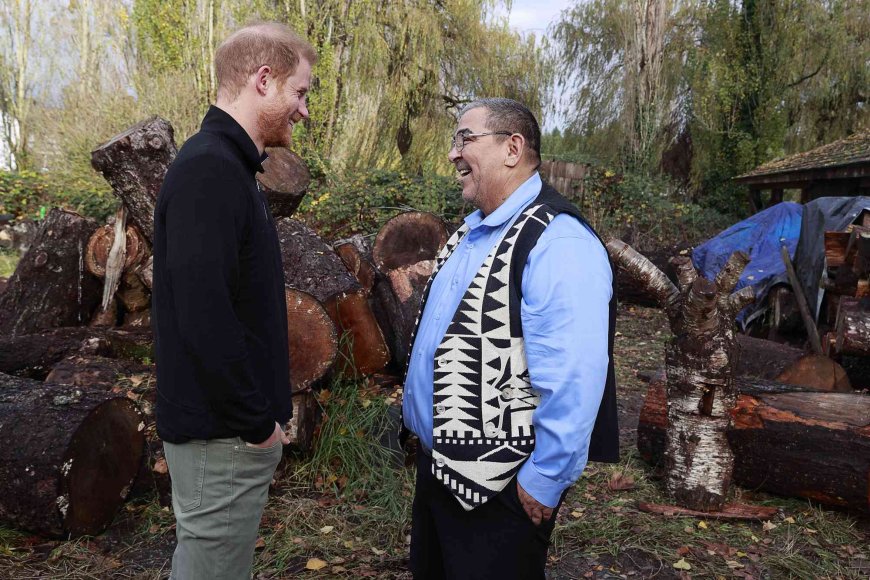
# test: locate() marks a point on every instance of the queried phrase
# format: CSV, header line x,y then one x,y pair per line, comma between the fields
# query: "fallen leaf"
x,y
768,525
315,564
326,529
681,564
378,552
702,524
261,543
348,544
789,520
576,514
620,482
338,569
733,564
160,467
683,551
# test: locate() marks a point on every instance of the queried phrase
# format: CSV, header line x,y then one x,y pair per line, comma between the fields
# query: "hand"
x,y
536,511
277,434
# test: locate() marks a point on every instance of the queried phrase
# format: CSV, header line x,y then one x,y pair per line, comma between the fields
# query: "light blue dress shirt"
x,y
565,317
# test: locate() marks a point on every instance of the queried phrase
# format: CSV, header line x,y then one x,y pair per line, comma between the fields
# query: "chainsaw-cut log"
x,y
408,238
357,260
94,372
764,359
732,511
284,181
50,287
816,371
399,304
312,266
853,327
68,458
33,355
796,443
146,272
835,248
313,339
133,294
699,363
134,163
100,243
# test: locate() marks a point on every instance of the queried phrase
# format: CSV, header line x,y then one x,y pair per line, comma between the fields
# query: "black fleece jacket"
x,y
218,306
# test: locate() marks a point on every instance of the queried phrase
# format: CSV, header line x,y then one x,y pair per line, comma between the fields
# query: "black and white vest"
x,y
483,400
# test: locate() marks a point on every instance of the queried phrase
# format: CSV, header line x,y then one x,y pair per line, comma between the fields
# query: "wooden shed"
x,y
841,168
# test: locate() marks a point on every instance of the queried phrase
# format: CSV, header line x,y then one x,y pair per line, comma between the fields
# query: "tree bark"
x,y
284,181
312,266
398,303
356,256
34,355
50,287
407,239
699,363
853,327
814,445
134,163
94,372
74,465
100,243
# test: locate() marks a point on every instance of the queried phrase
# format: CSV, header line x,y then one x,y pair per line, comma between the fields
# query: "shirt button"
x,y
508,393
439,462
440,409
490,430
441,362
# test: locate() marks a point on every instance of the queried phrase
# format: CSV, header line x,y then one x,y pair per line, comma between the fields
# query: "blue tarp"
x,y
761,237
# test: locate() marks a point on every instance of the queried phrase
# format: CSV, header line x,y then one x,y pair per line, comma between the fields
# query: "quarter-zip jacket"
x,y
219,311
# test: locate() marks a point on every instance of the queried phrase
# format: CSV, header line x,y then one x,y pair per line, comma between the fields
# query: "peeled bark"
x,y
284,181
100,243
408,238
699,363
814,445
50,287
68,458
134,163
312,266
34,355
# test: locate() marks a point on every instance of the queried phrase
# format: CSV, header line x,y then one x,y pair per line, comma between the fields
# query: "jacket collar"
x,y
219,122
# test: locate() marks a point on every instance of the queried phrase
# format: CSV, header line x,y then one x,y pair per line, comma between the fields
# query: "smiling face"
x,y
480,164
286,105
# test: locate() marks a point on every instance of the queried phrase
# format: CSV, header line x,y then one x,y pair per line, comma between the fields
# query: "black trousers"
x,y
496,540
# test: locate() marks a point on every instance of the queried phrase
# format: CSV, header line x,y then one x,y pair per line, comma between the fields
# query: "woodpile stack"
x,y
847,287
76,345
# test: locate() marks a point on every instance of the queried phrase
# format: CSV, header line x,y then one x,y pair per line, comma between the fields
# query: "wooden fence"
x,y
566,177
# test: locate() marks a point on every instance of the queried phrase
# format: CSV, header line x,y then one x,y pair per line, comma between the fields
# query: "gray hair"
x,y
510,116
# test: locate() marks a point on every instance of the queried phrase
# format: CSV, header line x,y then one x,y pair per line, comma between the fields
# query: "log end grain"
x,y
313,339
409,238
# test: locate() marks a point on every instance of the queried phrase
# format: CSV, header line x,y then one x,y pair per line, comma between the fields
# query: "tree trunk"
x,y
50,287
68,458
100,243
284,181
407,239
134,163
312,266
33,355
814,445
853,327
699,364
399,303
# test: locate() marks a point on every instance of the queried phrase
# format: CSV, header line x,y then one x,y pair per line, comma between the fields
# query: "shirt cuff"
x,y
540,487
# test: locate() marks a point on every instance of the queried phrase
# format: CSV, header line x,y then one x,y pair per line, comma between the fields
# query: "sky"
x,y
536,15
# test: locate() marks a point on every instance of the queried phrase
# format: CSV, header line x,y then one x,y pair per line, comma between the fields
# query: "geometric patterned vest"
x,y
483,400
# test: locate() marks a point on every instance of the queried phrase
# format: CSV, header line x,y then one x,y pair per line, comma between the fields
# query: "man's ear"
x,y
516,148
262,78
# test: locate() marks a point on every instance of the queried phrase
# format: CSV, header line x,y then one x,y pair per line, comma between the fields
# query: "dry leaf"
x,y
326,529
789,520
620,482
683,551
702,524
378,552
160,466
681,564
576,514
261,543
315,564
768,525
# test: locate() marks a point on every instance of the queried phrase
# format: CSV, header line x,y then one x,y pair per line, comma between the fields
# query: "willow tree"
x,y
17,81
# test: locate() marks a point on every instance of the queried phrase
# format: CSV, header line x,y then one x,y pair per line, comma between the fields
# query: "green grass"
x,y
8,262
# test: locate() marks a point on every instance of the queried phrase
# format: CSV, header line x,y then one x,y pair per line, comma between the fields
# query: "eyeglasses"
x,y
459,139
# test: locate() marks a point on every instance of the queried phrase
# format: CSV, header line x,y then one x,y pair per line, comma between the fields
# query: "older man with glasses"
x,y
510,387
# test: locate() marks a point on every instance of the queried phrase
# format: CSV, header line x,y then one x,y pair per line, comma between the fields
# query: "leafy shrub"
x,y
31,194
361,203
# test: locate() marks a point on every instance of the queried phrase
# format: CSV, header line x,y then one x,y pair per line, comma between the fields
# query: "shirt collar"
x,y
520,198
220,122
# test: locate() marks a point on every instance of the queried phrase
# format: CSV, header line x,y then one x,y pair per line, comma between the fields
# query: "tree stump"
x,y
100,243
699,363
34,355
134,163
69,456
814,445
50,287
312,266
284,181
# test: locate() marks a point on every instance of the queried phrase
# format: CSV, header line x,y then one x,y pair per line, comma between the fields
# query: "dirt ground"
x,y
600,531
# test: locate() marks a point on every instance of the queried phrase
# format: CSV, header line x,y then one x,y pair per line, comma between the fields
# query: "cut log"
x,y
146,272
34,355
313,340
399,304
813,445
312,266
134,163
68,458
107,318
50,287
853,327
835,248
816,371
764,359
100,243
133,294
284,181
408,238
357,262
94,372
